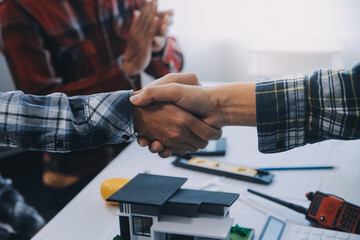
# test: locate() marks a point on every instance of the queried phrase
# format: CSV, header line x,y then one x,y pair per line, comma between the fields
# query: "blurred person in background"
x,y
84,47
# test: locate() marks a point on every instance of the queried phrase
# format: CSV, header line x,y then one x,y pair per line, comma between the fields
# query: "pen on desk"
x,y
296,168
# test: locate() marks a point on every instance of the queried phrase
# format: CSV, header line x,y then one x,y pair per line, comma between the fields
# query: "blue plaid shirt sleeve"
x,y
294,111
60,123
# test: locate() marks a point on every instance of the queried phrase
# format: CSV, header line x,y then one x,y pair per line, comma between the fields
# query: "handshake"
x,y
174,114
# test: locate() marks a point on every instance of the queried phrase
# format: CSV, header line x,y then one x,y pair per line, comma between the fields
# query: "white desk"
x,y
87,216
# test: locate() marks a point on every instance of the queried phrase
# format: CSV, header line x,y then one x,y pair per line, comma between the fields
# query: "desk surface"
x,y
87,216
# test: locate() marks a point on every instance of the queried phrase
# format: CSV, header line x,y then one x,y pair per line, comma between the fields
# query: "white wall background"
x,y
245,40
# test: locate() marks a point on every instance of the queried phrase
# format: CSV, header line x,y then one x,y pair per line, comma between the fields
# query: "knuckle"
x,y
147,92
173,137
183,119
181,152
193,149
212,134
166,151
180,149
151,149
217,137
219,134
203,144
207,134
176,135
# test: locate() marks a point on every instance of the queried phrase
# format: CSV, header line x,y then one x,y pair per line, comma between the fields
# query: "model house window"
x,y
142,225
170,236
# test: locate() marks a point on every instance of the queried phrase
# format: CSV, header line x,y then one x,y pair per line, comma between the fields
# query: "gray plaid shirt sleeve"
x,y
294,111
60,123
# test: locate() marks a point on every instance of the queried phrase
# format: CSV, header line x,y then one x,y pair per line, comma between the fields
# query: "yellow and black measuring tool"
x,y
224,169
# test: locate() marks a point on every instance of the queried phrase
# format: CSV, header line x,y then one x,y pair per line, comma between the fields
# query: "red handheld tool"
x,y
325,210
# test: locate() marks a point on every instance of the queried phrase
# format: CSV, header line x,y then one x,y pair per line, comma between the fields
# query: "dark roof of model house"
x,y
157,190
198,197
148,189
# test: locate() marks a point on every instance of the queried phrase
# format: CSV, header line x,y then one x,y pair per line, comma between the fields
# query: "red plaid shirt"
x,y
74,46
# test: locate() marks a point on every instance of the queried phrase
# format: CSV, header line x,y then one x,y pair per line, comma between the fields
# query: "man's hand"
x,y
160,37
143,29
224,105
184,78
195,99
175,128
228,104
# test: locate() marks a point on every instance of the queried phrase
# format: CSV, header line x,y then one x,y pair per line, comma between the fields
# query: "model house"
x,y
156,207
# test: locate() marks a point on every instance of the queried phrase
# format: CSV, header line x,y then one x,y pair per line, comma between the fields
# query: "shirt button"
x,y
126,137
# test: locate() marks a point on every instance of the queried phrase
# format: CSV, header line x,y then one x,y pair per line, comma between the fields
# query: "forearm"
x,y
236,102
60,123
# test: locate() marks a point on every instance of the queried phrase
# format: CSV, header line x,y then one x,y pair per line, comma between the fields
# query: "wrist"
x,y
127,69
235,103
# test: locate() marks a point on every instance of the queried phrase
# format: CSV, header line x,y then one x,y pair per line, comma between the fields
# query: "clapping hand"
x,y
160,37
143,29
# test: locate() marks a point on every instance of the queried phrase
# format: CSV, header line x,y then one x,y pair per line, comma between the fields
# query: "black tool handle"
x,y
292,206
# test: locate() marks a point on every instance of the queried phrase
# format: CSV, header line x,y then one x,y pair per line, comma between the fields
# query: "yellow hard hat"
x,y
111,185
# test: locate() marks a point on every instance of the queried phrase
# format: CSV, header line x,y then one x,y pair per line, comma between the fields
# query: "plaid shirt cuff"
x,y
110,116
57,123
281,112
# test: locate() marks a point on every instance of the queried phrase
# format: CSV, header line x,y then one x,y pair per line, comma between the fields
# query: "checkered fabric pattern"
x,y
60,123
24,220
293,111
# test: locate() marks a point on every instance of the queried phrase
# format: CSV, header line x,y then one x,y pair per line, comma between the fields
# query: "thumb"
x,y
214,121
161,93
182,78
